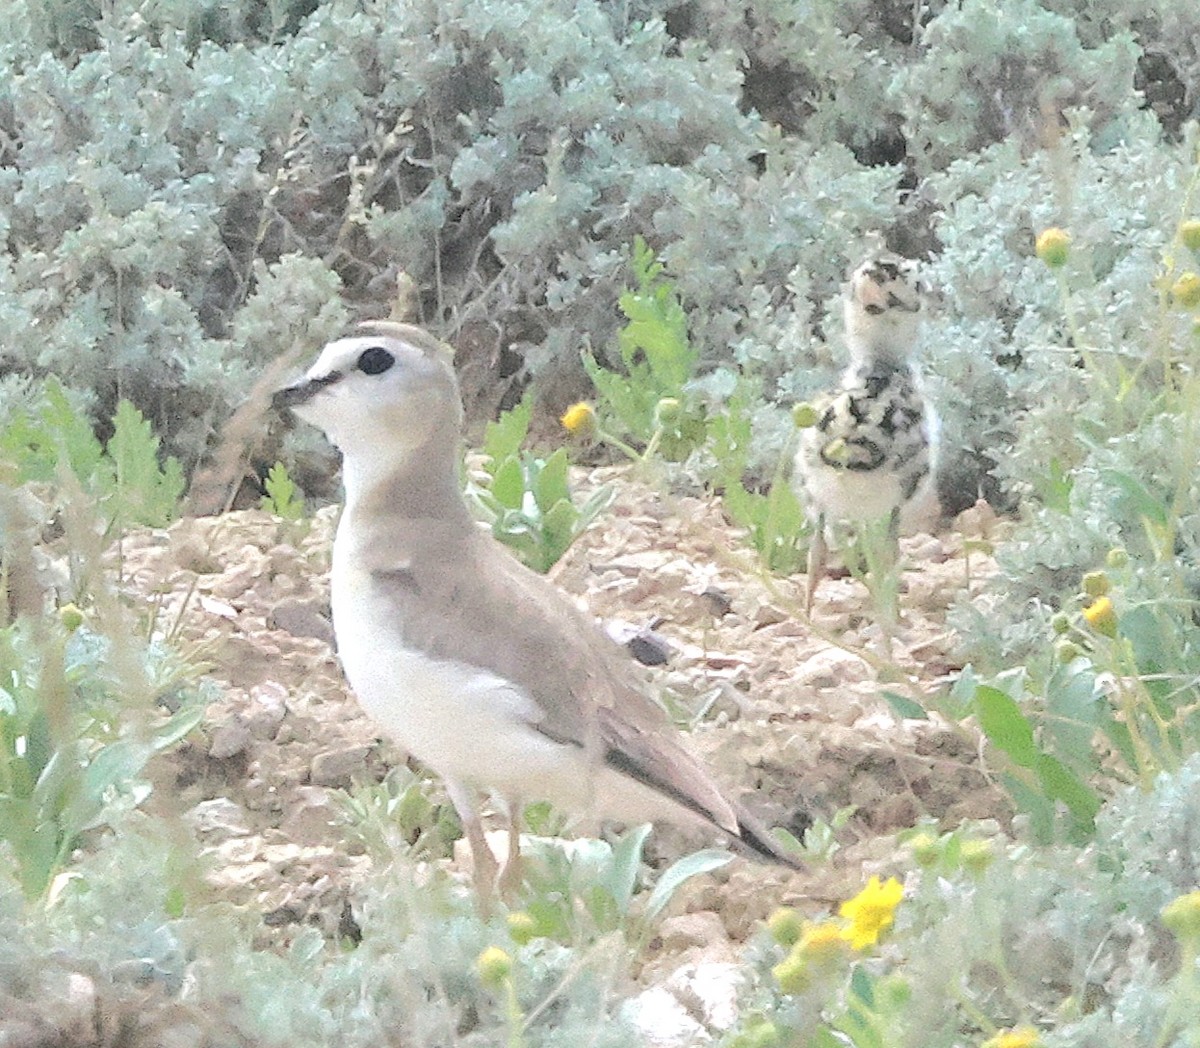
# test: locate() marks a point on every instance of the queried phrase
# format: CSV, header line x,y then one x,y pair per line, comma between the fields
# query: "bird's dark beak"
x,y
302,392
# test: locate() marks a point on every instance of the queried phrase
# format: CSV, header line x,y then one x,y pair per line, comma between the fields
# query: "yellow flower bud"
x,y
792,974
1117,558
1061,623
804,415
1186,290
1096,584
1021,1037
785,925
71,617
494,967
580,420
1182,916
1066,651
522,927
977,856
1189,233
926,848
1052,246
668,412
822,943
1102,616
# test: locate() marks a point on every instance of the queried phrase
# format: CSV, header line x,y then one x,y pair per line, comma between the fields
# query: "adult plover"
x,y
476,665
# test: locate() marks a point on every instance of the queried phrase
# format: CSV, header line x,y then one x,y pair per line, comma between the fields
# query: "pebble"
x,y
309,816
301,618
219,819
229,738
335,767
830,668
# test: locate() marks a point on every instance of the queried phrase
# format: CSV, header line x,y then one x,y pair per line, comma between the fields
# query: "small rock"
x,y
78,1023
768,615
642,642
229,738
713,986
649,648
301,618
268,707
220,819
334,767
663,1021
219,608
717,601
830,668
689,930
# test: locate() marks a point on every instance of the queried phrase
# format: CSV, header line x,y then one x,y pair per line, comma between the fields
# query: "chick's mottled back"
x,y
871,452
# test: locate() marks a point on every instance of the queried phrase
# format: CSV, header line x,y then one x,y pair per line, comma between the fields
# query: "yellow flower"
x,y
1052,246
1186,290
580,420
1182,916
494,967
1021,1037
1101,616
871,911
1189,233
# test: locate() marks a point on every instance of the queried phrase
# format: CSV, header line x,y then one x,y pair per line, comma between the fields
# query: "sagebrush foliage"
x,y
190,190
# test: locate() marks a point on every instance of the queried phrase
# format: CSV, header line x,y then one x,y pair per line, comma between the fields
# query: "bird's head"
x,y
382,392
884,298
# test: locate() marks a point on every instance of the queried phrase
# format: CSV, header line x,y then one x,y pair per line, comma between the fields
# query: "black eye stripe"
x,y
375,360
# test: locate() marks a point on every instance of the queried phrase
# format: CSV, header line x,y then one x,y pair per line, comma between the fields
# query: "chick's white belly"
x,y
843,495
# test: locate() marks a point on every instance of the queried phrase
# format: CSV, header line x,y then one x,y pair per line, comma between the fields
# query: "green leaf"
x,y
681,871
1139,500
905,707
550,486
1064,785
503,438
282,498
1034,803
140,491
626,862
508,484
1005,725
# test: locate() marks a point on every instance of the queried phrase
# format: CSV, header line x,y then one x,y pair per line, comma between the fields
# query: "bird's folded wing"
x,y
478,606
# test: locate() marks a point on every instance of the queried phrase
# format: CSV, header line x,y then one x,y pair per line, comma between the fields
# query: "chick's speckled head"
x,y
883,302
387,389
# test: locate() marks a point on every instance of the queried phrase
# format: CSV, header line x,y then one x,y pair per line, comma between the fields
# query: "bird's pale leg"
x,y
512,874
893,565
484,862
818,553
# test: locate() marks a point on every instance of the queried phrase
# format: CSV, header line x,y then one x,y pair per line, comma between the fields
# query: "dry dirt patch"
x,y
789,712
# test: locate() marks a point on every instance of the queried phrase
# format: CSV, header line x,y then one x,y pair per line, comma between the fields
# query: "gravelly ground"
x,y
789,712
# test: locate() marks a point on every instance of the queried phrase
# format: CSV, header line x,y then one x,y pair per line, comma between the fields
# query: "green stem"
x,y
513,1017
632,453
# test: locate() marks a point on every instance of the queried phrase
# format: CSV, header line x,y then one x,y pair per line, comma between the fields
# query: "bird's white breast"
x,y
465,722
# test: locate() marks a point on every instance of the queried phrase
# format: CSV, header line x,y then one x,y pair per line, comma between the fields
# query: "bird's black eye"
x,y
375,360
